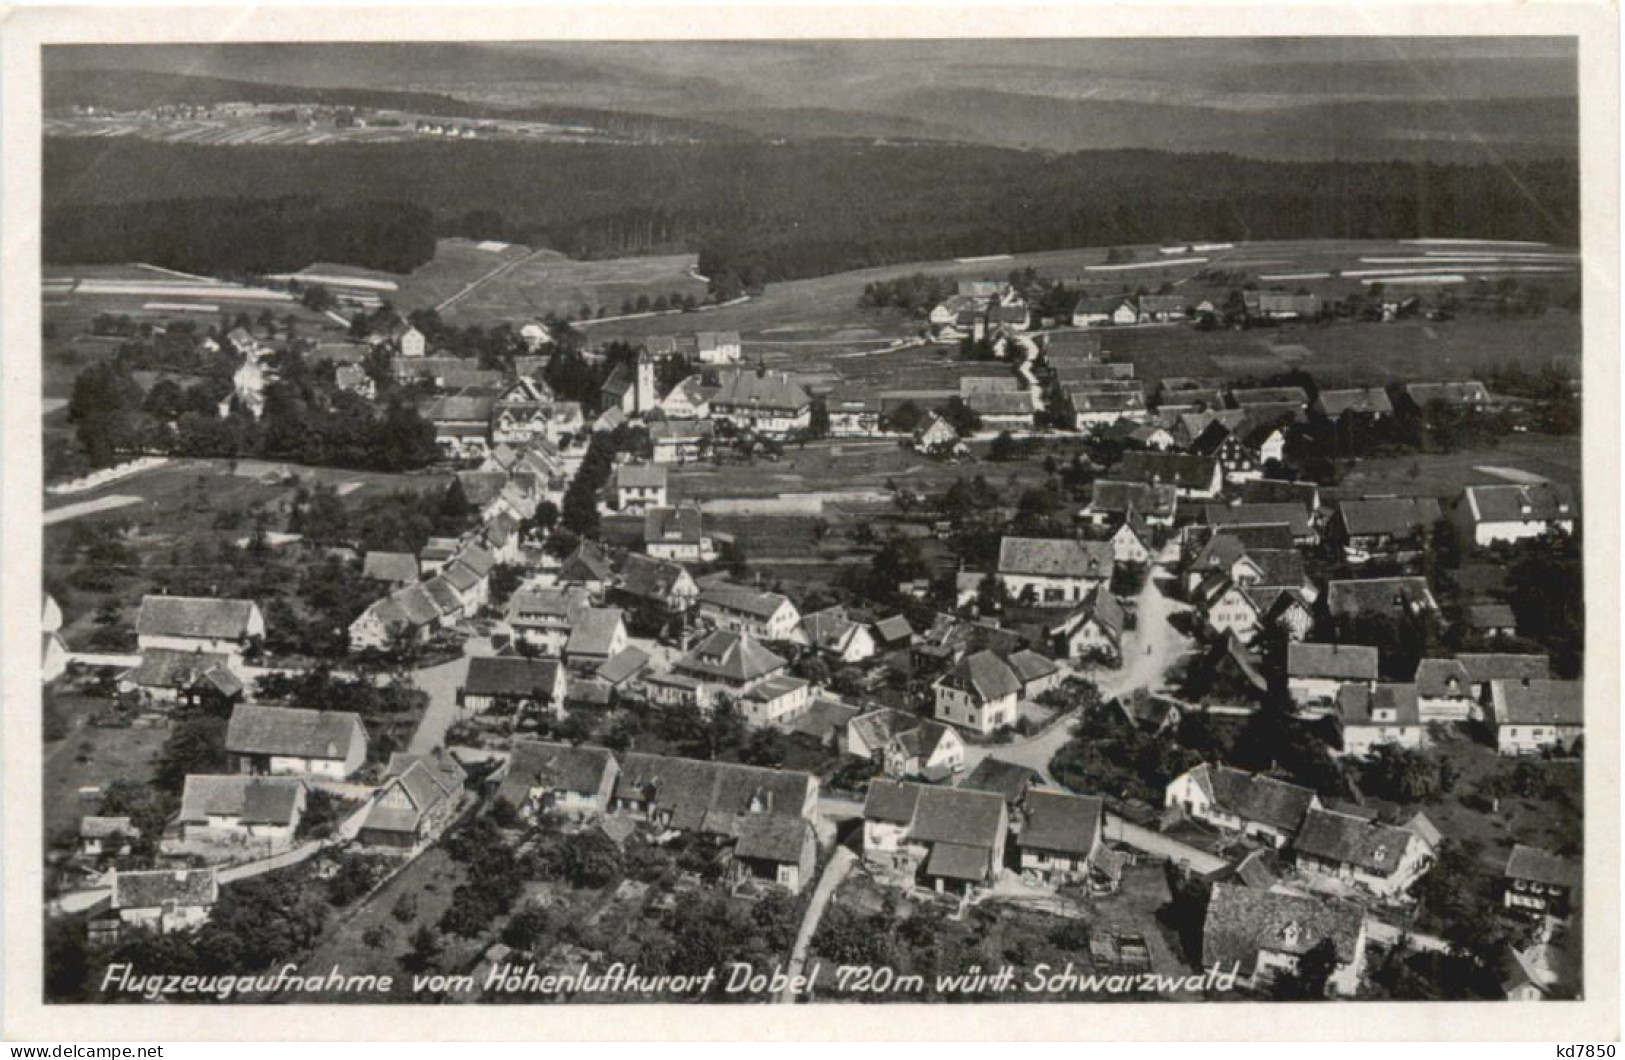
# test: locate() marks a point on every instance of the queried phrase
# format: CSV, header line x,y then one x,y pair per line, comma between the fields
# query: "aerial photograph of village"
x,y
813,521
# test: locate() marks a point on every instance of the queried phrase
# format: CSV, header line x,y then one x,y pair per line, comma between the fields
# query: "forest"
x,y
754,211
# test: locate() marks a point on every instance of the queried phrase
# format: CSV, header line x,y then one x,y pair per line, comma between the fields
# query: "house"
x,y
107,836
923,751
1134,542
1191,475
190,623
1095,312
1397,527
1111,500
717,347
937,436
690,399
558,778
1255,805
1380,858
677,534
728,664
1485,515
409,340
1250,398
782,851
1053,572
200,678
640,487
1162,308
354,378
1008,780
947,838
462,424
979,693
1315,673
1374,714
1238,516
867,735
1536,715
838,636
1229,679
1490,620
521,412
1537,881
234,807
418,797
163,900
1265,934
767,402
853,413
1001,409
764,615
1060,837
1305,495
680,441
710,798
1093,630
824,722
587,568
1443,692
645,582
544,616
893,631
1094,408
283,741
1394,598
1483,669
1469,394
774,700
391,568
1037,673
1365,401
512,685
597,634
1279,305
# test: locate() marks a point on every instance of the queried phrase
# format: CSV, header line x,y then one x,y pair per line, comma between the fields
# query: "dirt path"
x,y
1152,649
840,863
468,288
84,508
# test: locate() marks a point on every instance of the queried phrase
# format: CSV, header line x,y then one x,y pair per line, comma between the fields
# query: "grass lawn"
x,y
1443,475
92,757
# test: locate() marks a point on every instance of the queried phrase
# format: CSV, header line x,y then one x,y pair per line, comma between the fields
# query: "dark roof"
x,y
729,655
984,674
744,388
1499,666
190,616
954,861
505,676
1538,501
1107,495
778,839
390,566
823,718
1255,797
297,733
711,796
1370,399
1068,824
960,816
1377,595
1242,920
556,766
255,800
153,890
650,578
1030,666
1270,395
593,631
1279,491
1182,469
1290,514
623,665
1469,392
586,564
892,801
1490,616
1358,704
1007,779
184,670
1532,863
1539,701
1347,662
645,476
672,524
1371,846
738,598
1397,516
1055,557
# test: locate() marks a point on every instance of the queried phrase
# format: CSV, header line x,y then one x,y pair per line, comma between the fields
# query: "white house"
x,y
1249,803
1053,572
1487,514
189,623
163,900
1536,715
264,811
1382,859
763,615
980,693
283,741
1264,934
836,635
639,487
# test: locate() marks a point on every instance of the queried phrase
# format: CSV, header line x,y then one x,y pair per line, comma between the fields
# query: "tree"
x,y
425,950
588,859
1004,448
961,417
195,745
1308,981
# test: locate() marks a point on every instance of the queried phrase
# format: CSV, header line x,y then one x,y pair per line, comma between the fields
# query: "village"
x,y
658,649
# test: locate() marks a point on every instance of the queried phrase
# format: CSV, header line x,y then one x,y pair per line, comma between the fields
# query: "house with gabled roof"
x,y
1237,517
192,623
729,664
232,807
769,402
717,347
1375,714
285,741
1486,515
1280,305
542,777
711,798
640,487
1467,394
1539,882
1369,401
646,582
597,635
1253,804
1053,572
1280,491
1112,500
1093,629
162,900
979,693
1093,409
764,615
1010,781
1392,597
166,676
1061,837
510,684
868,734
1191,475
678,534
391,568
1316,672
775,700
417,799
781,851
1536,715
949,839
1443,692
838,636
1383,859
1484,668
1396,527
1264,934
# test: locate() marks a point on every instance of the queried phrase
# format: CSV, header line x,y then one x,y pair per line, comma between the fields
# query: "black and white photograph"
x,y
816,521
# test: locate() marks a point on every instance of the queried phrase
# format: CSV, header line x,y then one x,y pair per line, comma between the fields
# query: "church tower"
x,y
646,397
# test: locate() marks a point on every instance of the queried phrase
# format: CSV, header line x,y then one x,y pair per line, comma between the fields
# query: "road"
x,y
1159,845
840,863
1140,669
83,508
442,682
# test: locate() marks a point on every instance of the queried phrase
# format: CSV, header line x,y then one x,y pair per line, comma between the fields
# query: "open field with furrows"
x,y
821,314
1443,475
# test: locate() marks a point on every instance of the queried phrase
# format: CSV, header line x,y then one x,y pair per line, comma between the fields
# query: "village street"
x,y
441,683
1150,651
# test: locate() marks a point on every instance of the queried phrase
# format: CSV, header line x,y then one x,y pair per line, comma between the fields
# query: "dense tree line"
x,y
759,212
240,236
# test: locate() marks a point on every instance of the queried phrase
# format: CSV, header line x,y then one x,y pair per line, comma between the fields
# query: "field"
x,y
1443,475
92,757
821,314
